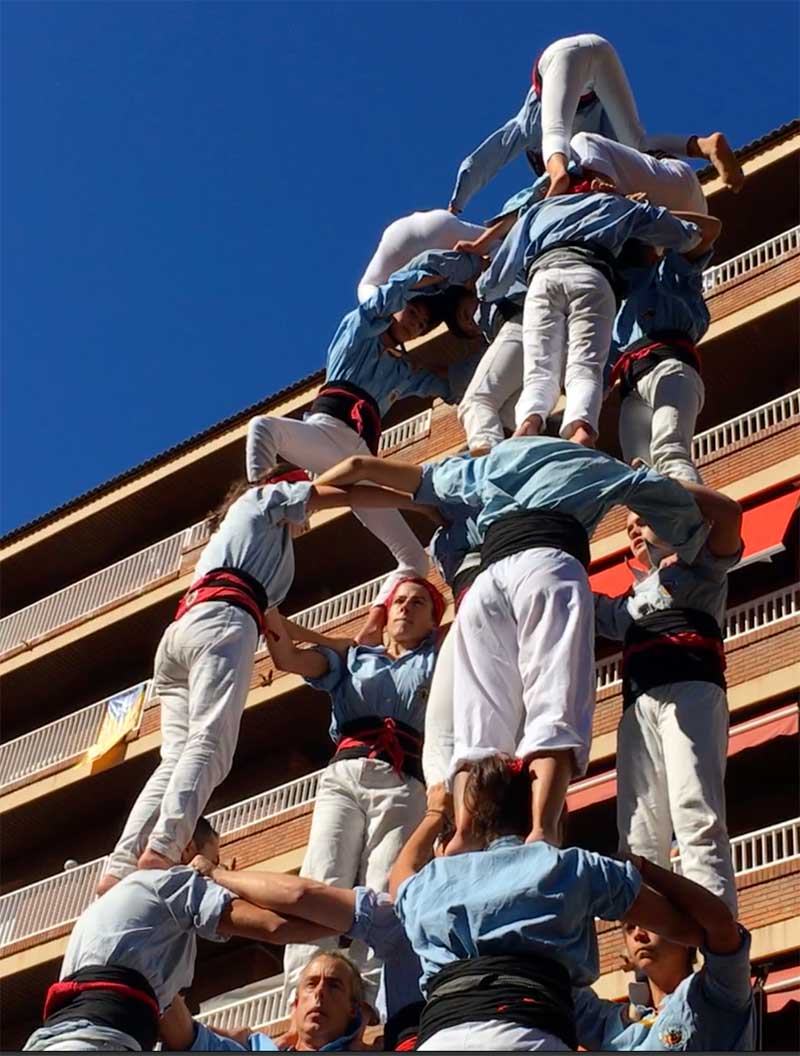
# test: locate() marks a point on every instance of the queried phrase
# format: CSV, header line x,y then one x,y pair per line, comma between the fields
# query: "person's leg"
x,y
396,535
171,686
493,1035
694,731
643,821
315,444
553,612
80,1036
219,643
675,394
497,379
437,749
544,337
335,846
395,805
716,149
635,423
590,319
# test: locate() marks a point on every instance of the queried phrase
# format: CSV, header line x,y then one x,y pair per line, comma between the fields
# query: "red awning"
x,y
782,987
785,722
763,530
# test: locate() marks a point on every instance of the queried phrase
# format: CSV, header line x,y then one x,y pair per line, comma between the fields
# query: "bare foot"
x,y
106,883
583,435
719,152
530,426
480,450
153,860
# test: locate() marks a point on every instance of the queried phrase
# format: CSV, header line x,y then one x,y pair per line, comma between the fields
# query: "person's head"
x,y
413,611
636,254
416,318
328,1001
497,797
643,541
205,841
655,956
278,471
458,305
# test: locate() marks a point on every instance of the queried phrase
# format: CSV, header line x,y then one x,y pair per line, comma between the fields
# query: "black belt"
x,y
353,406
533,529
592,254
673,645
531,991
642,356
107,996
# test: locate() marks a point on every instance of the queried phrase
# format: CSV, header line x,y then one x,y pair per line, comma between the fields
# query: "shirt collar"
x,y
504,841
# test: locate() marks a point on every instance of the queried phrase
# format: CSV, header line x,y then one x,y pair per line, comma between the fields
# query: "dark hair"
x,y
498,798
635,254
216,516
203,832
451,300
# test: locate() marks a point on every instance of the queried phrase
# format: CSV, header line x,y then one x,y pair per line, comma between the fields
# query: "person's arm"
x,y
425,273
709,226
325,497
496,151
653,911
310,663
418,849
480,246
176,1026
401,477
263,925
724,514
657,226
299,633
292,896
611,617
719,931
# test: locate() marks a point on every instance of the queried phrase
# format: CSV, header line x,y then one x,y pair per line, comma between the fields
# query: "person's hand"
x,y
465,246
638,196
440,801
452,208
202,865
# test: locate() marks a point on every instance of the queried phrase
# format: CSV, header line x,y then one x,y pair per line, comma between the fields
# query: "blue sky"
x,y
190,191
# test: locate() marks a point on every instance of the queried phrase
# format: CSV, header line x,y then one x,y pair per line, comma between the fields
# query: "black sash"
x,y
532,529
673,645
593,254
530,991
128,1004
353,406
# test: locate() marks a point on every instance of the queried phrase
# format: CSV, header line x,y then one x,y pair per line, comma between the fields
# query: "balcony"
x,y
763,255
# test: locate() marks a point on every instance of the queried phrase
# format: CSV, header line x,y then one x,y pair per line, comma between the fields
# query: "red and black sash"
x,y
388,739
231,585
673,645
353,406
643,355
106,996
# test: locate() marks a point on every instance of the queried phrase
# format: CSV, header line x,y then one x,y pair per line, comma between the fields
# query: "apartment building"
x,y
89,587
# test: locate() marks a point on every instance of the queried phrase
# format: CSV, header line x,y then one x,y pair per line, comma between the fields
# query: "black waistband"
x,y
661,345
531,991
508,309
672,645
109,1008
593,254
369,729
532,529
340,398
249,584
463,580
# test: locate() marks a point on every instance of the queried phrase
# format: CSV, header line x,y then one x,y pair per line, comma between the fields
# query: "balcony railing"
x,y
406,432
57,742
341,606
756,850
48,904
745,426
766,253
754,615
266,805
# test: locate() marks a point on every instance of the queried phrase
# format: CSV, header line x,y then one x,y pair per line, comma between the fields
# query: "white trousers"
x,y
666,181
364,813
493,1036
317,444
657,419
437,749
487,406
569,68
202,677
80,1036
524,660
671,754
566,333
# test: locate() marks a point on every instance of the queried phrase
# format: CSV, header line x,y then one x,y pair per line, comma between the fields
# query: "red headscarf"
x,y
437,598
291,476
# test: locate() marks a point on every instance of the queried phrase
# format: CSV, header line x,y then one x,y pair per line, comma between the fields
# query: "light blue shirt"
x,y
255,537
368,683
701,585
666,296
150,922
376,924
207,1040
451,543
515,899
709,1011
523,132
545,473
357,353
606,220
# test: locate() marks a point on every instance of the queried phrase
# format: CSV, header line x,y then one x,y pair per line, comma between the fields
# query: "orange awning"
x,y
782,987
785,722
764,528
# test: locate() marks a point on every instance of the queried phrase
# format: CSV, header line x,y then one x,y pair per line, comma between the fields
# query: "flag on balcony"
x,y
122,717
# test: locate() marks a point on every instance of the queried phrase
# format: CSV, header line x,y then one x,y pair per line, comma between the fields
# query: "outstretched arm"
x,y
247,921
402,477
725,515
310,663
418,849
176,1026
710,228
480,246
653,911
292,896
719,931
298,633
326,497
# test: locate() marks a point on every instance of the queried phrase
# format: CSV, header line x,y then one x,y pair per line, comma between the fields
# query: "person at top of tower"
x,y
579,85
504,930
367,372
371,795
205,658
524,644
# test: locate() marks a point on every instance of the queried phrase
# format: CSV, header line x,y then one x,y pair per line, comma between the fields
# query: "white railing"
x,y
266,805
195,535
756,850
262,1010
341,605
404,432
49,903
59,741
746,426
766,253
81,599
754,615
